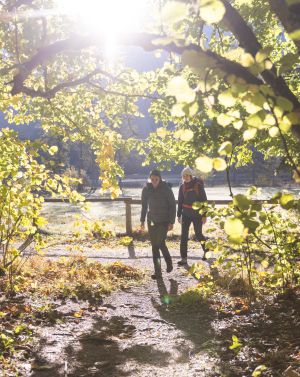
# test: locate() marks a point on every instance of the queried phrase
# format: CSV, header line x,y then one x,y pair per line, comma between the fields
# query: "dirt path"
x,y
136,332
133,332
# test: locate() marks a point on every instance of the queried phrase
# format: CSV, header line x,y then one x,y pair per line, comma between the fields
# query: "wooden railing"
x,y
129,201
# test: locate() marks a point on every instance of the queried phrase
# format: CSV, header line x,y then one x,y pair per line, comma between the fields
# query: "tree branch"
x,y
143,40
116,93
288,16
237,25
51,92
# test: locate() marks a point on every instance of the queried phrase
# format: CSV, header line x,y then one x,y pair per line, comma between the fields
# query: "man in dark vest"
x,y
158,202
190,191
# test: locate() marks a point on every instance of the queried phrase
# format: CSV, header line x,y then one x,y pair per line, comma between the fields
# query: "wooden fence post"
x,y
128,216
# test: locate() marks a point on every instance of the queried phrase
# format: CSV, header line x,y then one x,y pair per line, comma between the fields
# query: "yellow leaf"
x,y
161,132
224,120
227,99
225,148
52,150
177,110
219,164
78,314
247,60
204,164
211,11
179,88
273,131
187,135
234,227
249,134
174,11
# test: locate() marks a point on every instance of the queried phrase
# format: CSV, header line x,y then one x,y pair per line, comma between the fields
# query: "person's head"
x,y
187,174
155,177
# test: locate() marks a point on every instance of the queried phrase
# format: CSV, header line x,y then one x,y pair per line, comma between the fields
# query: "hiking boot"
x,y
156,276
169,267
182,262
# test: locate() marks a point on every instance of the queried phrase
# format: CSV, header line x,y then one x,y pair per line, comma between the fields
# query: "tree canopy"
x,y
230,83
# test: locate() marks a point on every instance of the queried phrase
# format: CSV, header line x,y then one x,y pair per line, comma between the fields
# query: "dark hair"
x,y
155,172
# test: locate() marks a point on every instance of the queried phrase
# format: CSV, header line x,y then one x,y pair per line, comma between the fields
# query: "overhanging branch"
x,y
289,16
247,39
143,40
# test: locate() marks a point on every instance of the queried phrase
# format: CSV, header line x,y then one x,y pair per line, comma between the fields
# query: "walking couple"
x,y
158,203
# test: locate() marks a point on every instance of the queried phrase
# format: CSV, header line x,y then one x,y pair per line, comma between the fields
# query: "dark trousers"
x,y
158,234
185,227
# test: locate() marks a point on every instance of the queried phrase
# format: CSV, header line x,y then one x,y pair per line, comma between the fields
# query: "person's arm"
x,y
144,205
180,202
172,206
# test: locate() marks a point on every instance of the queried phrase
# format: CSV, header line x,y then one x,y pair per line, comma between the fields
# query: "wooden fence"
x,y
129,202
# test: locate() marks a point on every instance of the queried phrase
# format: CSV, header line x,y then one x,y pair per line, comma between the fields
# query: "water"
x,y
61,216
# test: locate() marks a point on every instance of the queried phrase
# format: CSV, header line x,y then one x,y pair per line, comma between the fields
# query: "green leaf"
x,y
258,370
52,150
235,343
211,11
204,164
284,103
197,205
286,201
251,224
241,201
295,34
225,148
286,62
254,121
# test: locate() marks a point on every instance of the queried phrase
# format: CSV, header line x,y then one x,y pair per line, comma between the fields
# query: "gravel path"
x,y
133,332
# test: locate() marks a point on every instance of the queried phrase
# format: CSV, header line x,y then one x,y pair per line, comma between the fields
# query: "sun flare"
x,y
114,17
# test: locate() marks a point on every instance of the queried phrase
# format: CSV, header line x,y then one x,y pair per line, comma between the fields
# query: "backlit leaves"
x,y
249,134
227,99
180,89
219,164
224,120
211,11
235,229
174,11
204,164
225,148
